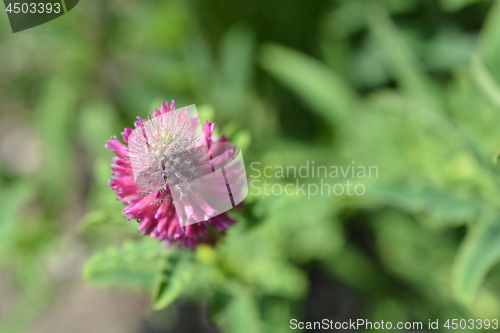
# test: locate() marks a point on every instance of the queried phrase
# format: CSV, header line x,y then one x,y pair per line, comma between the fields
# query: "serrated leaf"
x,y
175,271
134,264
479,251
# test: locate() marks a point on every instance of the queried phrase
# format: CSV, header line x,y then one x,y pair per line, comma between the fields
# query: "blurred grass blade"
x,y
326,92
489,40
236,64
133,264
55,111
479,251
401,60
485,81
456,5
93,218
103,217
175,271
96,121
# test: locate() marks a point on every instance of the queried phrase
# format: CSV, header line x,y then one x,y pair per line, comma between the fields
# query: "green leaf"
x,y
217,305
176,270
238,135
320,87
430,117
278,278
446,207
277,314
456,5
55,111
93,218
401,242
260,262
478,253
102,217
352,266
236,68
348,17
96,124
283,223
12,200
401,60
134,264
485,81
489,40
243,313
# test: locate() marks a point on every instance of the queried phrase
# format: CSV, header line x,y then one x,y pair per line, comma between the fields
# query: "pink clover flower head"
x,y
166,148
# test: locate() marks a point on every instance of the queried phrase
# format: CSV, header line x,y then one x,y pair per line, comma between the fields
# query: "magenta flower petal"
x,y
150,201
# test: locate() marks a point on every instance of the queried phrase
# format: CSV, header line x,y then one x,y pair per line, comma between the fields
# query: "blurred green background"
x,y
411,87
